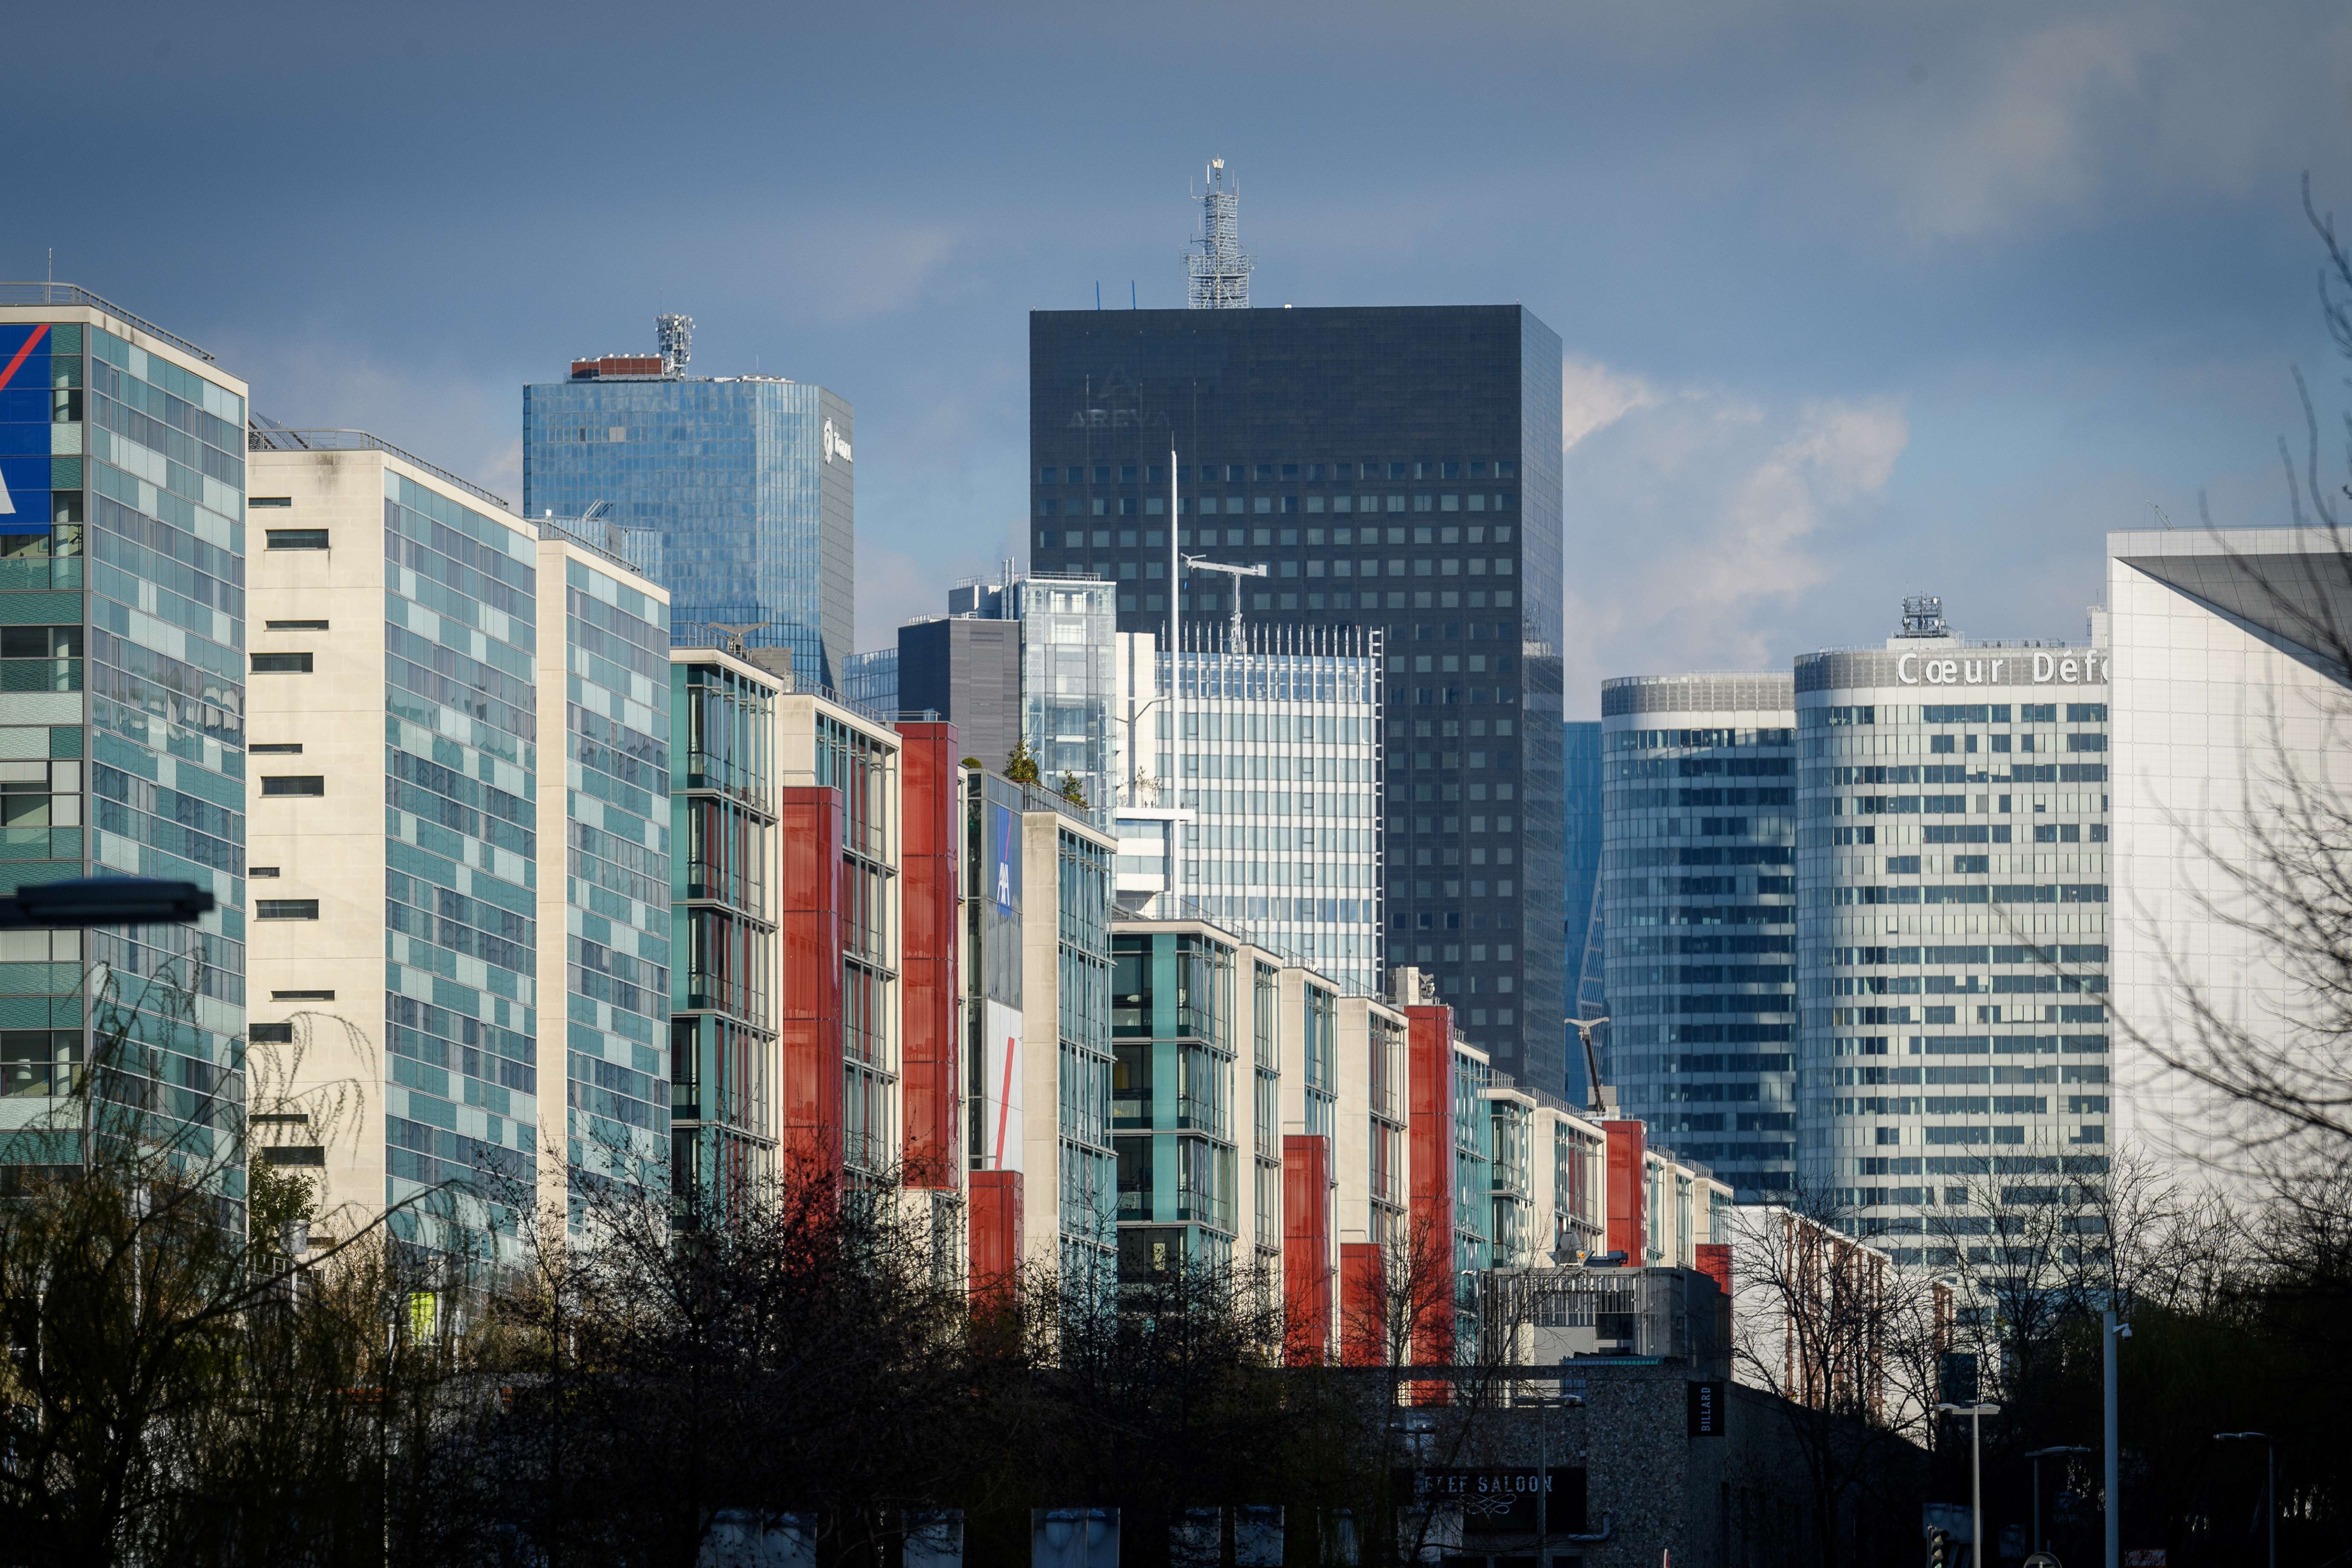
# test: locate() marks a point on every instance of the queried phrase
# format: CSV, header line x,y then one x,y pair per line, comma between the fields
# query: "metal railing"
x,y
260,437
74,294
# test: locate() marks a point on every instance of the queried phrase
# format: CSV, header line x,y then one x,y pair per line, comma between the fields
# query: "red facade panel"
x,y
808,992
933,1079
1363,1303
1627,1185
1307,1249
1714,1262
1429,1212
995,1229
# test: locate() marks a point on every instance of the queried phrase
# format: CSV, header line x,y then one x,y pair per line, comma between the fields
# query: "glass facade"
x,y
1174,1033
1088,1164
617,939
1067,684
1278,780
722,1022
1952,877
121,738
737,494
1699,883
461,873
864,769
1419,448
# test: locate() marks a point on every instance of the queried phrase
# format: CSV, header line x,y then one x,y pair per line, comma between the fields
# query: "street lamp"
x,y
1543,1464
103,901
2112,1331
2037,1457
1976,1415
2270,1479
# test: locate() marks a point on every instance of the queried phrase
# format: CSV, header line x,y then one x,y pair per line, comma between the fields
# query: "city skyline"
x,y
1923,295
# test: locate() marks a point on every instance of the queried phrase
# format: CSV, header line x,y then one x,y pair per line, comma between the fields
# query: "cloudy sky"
x,y
1857,298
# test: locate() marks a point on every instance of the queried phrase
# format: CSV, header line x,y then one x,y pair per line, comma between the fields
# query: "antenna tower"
x,y
675,336
1923,616
1220,272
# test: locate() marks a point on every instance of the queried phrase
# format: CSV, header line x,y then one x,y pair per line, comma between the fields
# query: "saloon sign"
x,y
2063,667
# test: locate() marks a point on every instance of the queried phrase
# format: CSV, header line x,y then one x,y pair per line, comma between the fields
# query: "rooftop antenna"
x,y
675,335
1923,616
1233,639
1220,273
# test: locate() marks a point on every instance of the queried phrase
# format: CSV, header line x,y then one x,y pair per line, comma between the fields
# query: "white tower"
x,y
1220,272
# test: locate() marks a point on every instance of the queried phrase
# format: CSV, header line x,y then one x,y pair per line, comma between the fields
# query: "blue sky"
x,y
1857,298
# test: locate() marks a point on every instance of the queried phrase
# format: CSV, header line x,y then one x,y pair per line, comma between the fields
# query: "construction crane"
x,y
1600,1100
1200,563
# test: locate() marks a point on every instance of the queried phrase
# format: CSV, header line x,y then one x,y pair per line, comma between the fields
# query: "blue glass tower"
x,y
736,493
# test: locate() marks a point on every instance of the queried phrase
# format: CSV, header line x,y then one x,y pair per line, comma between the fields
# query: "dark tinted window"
x,y
295,784
298,538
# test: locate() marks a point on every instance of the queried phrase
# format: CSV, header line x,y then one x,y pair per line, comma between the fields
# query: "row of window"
x,y
1270,473
1954,713
1213,603
1268,506
1155,539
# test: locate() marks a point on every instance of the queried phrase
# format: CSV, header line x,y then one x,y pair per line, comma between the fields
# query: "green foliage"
x,y
1021,766
1074,790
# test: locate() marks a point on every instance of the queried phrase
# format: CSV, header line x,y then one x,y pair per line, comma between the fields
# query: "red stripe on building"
x,y
1628,1183
22,355
930,923
1306,1250
1429,1212
811,896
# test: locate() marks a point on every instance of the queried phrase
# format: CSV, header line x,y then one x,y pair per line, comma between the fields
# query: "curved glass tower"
x,y
1952,887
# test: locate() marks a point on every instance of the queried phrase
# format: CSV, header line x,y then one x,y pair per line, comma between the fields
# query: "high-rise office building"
x,y
1698,883
122,539
1953,946
736,493
1264,815
1398,468
415,639
968,671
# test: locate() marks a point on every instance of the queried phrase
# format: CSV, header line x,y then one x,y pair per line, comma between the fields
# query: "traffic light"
x,y
1940,1549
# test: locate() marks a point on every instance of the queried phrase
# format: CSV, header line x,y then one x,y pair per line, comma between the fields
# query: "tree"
x,y
1021,765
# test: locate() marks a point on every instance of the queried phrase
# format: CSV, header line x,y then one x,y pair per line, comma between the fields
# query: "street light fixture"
x,y
1976,1415
103,901
2270,1479
2114,1330
1543,1464
2037,1457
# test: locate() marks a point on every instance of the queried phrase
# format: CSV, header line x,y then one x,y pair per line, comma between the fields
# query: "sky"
x,y
1857,298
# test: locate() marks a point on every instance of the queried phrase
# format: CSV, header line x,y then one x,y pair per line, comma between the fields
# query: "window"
x,y
296,626
270,1034
281,664
286,909
261,871
41,642
276,749
39,1062
294,783
297,538
301,996
294,1154
270,500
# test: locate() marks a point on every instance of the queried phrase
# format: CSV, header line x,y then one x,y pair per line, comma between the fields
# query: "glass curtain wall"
x,y
617,1024
461,763
1173,1026
722,1003
1699,885
1954,873
1279,765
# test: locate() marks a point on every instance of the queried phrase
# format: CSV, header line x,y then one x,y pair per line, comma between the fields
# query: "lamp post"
x,y
2112,1331
1976,1415
2270,1479
1543,1464
2037,1457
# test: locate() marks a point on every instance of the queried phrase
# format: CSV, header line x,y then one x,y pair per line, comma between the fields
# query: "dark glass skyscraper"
x,y
1397,468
